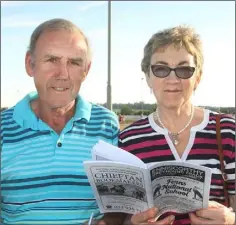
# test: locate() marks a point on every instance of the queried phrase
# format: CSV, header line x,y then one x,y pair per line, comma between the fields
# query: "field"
x,y
124,125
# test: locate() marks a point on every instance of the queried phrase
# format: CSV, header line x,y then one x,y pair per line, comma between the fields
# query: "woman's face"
x,y
171,91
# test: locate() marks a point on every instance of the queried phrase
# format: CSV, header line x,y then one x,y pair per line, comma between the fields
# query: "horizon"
x,y
126,103
133,23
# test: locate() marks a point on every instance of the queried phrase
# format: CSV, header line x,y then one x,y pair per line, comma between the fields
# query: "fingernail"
x,y
155,210
172,218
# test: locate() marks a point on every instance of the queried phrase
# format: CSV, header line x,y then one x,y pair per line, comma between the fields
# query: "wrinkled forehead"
x,y
62,43
172,55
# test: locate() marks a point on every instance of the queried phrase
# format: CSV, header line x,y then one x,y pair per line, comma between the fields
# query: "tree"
x,y
126,110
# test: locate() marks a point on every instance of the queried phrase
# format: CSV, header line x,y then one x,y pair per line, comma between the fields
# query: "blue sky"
x,y
132,25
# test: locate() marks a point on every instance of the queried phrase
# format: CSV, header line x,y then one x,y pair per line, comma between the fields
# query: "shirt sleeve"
x,y
228,145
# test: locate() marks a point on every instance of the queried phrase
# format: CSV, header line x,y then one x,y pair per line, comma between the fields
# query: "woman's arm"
x,y
232,201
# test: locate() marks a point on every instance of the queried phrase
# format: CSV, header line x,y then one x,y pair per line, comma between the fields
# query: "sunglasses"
x,y
183,72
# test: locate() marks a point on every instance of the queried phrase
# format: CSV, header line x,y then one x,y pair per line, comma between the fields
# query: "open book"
x,y
123,183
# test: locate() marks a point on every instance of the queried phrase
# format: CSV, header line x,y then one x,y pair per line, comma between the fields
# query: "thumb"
x,y
100,222
214,204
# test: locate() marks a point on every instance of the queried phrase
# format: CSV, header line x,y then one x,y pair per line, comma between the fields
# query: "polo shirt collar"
x,y
25,117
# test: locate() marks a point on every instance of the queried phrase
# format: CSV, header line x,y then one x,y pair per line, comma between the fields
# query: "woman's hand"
x,y
216,213
148,217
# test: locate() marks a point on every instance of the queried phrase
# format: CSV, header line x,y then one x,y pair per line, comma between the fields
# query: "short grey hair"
x,y
180,36
55,25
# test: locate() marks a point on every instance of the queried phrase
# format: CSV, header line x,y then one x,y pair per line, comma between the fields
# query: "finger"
x,y
214,204
144,216
195,220
100,222
209,213
168,220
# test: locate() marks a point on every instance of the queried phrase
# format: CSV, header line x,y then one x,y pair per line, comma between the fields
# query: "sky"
x,y
132,24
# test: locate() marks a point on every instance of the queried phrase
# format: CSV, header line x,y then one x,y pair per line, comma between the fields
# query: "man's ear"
x,y
89,65
87,70
29,64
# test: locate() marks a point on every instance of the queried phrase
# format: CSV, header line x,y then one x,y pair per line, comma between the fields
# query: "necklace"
x,y
174,136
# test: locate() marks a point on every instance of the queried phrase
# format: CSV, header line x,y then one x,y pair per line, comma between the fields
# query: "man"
x,y
49,133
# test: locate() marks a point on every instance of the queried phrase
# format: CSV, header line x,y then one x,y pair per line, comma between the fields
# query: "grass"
x,y
124,125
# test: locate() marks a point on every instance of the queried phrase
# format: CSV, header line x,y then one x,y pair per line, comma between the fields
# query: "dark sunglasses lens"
x,y
185,72
160,71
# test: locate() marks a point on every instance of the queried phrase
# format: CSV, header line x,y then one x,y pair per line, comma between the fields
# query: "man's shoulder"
x,y
7,118
102,111
8,112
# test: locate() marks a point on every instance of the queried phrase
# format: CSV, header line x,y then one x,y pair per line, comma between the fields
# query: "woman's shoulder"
x,y
224,117
227,124
136,126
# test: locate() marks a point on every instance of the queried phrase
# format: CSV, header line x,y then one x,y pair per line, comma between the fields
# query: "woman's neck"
x,y
175,119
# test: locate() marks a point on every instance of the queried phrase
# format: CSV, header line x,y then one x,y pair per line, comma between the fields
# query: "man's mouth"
x,y
173,91
60,89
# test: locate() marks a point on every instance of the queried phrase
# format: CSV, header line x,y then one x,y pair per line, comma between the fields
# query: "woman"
x,y
177,130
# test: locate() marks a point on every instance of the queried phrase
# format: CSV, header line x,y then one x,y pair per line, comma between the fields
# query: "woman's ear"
x,y
148,80
198,79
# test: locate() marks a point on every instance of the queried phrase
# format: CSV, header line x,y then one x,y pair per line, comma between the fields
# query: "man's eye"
x,y
76,63
51,60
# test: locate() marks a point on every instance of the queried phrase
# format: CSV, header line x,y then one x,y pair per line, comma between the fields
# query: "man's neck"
x,y
56,118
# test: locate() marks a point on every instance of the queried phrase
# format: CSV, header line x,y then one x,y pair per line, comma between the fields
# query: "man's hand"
x,y
148,217
99,222
110,219
216,213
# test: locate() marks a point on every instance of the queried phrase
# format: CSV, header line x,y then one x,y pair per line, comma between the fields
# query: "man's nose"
x,y
63,71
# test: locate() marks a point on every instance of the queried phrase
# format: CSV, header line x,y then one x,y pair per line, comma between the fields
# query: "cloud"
x,y
19,20
21,24
14,3
97,33
92,5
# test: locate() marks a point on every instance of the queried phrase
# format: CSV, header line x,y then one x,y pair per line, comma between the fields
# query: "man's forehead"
x,y
62,37
81,44
58,42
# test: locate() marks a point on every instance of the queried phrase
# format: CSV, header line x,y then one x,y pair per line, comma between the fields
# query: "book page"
x,y
118,187
106,151
180,187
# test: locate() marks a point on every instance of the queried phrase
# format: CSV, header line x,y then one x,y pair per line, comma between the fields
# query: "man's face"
x,y
59,66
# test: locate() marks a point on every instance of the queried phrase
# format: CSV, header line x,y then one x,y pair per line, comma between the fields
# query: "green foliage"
x,y
140,112
126,110
140,108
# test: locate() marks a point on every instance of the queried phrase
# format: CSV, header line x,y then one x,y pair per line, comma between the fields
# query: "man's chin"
x,y
61,104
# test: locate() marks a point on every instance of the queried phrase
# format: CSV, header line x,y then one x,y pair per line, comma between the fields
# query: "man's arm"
x,y
112,219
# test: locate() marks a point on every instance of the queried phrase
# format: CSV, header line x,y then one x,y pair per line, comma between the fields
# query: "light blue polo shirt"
x,y
42,174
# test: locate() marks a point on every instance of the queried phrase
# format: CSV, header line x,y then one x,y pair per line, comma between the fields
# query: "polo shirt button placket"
x,y
59,144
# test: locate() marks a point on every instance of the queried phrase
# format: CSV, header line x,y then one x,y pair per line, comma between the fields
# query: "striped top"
x,y
42,174
151,143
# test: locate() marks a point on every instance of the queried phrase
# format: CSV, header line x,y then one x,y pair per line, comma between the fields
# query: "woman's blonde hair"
x,y
179,36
